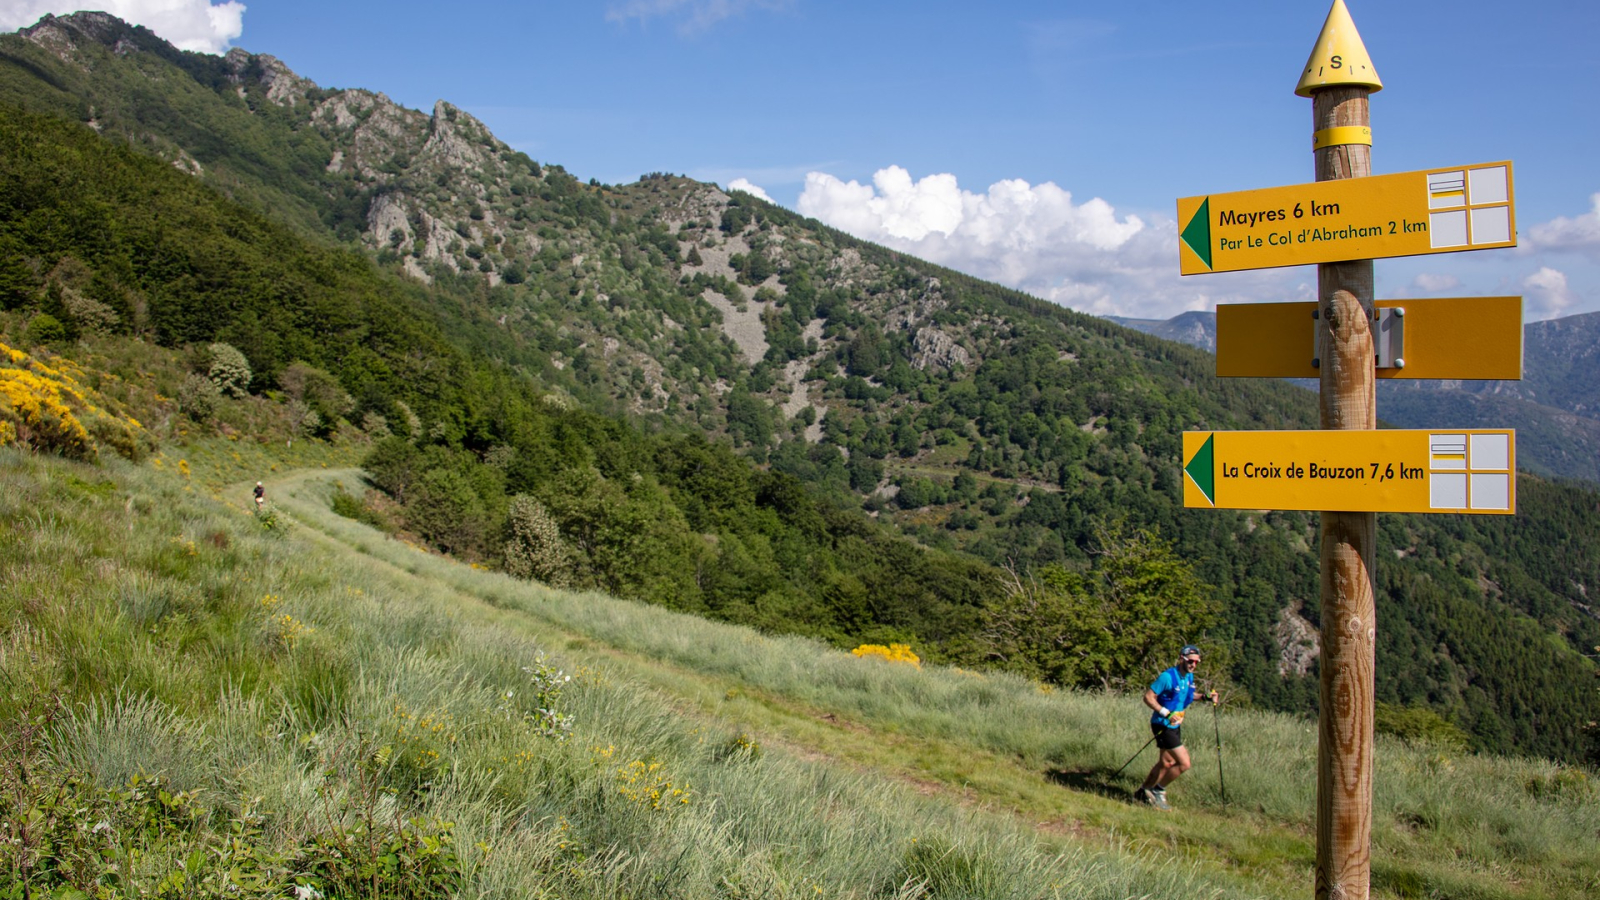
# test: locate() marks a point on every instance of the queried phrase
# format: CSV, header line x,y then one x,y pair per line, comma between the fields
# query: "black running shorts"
x,y
1167,738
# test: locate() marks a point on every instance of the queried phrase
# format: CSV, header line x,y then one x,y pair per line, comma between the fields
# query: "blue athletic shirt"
x,y
1173,690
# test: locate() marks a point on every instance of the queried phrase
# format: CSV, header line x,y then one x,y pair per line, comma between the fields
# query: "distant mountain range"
x,y
1555,407
1197,329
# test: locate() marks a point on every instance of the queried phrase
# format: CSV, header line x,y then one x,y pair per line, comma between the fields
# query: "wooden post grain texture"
x,y
1349,629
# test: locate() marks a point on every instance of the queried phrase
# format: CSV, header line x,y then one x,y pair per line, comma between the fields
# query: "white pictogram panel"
x,y
1469,471
1474,207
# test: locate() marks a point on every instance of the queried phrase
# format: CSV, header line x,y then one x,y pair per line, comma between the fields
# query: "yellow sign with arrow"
x,y
1417,471
1404,214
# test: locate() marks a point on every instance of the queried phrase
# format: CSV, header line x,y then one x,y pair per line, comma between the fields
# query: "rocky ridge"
x,y
438,195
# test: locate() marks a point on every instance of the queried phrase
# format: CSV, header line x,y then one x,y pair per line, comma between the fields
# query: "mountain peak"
x,y
283,86
63,35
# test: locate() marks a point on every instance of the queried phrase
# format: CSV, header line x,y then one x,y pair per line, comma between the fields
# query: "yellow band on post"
x,y
1345,134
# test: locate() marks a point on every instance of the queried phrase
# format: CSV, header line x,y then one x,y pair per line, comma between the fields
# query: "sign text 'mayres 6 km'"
x,y
1432,471
1405,214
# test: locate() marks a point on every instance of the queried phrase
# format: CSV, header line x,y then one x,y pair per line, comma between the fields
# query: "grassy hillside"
x,y
528,335
251,706
298,699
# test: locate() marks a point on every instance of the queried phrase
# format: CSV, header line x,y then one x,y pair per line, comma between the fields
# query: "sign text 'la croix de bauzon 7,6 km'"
x,y
1405,214
1417,471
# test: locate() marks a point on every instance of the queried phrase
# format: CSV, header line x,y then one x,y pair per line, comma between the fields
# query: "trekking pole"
x,y
1221,784
1135,755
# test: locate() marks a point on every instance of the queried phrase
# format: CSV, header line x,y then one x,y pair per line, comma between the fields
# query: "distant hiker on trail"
x,y
1168,696
261,496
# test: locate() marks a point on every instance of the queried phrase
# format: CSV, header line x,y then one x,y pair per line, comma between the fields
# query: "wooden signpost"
x,y
1349,470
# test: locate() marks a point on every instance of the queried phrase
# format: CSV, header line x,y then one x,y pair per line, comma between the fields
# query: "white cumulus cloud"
x,y
743,184
1036,238
1433,282
1548,294
1013,216
1578,234
186,24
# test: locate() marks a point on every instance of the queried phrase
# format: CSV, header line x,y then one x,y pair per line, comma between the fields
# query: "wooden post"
x,y
1349,630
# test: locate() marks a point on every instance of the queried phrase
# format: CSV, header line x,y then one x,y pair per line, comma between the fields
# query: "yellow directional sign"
x,y
1468,338
1422,471
1405,214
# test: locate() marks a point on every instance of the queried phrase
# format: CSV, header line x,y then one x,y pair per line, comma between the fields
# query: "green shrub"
x,y
19,284
407,424
1418,725
350,506
228,369
1563,783
446,511
129,440
197,398
307,420
535,548
272,521
44,330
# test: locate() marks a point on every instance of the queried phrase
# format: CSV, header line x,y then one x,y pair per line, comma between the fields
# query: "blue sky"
x,y
1038,144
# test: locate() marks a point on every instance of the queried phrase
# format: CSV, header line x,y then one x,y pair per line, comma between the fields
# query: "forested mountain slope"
x,y
501,297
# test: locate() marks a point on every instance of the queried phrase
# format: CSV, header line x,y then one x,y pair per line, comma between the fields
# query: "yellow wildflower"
x,y
892,653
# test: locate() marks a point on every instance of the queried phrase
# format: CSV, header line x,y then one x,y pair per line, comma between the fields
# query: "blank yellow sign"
x,y
1379,216
1419,471
1466,338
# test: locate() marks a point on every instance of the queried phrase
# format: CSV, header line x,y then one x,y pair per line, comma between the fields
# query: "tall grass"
x,y
1445,822
194,705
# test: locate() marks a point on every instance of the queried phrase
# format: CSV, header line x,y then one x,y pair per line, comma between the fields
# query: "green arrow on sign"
x,y
1201,470
1197,234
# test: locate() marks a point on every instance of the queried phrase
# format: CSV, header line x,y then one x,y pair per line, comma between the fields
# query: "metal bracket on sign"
x,y
1389,337
1316,315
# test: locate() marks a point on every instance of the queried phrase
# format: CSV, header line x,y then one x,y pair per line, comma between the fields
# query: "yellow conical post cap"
x,y
1339,56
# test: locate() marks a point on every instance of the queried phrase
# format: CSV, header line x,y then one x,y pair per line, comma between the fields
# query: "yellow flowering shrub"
x,y
286,631
893,653
644,782
648,784
46,407
417,745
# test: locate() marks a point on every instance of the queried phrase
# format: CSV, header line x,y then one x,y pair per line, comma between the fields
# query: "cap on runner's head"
x,y
1189,649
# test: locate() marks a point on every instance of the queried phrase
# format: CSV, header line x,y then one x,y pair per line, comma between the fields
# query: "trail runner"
x,y
1168,696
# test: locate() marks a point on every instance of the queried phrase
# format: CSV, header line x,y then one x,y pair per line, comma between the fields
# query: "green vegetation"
x,y
1140,603
196,700
552,340
45,405
334,709
686,524
162,257
216,711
